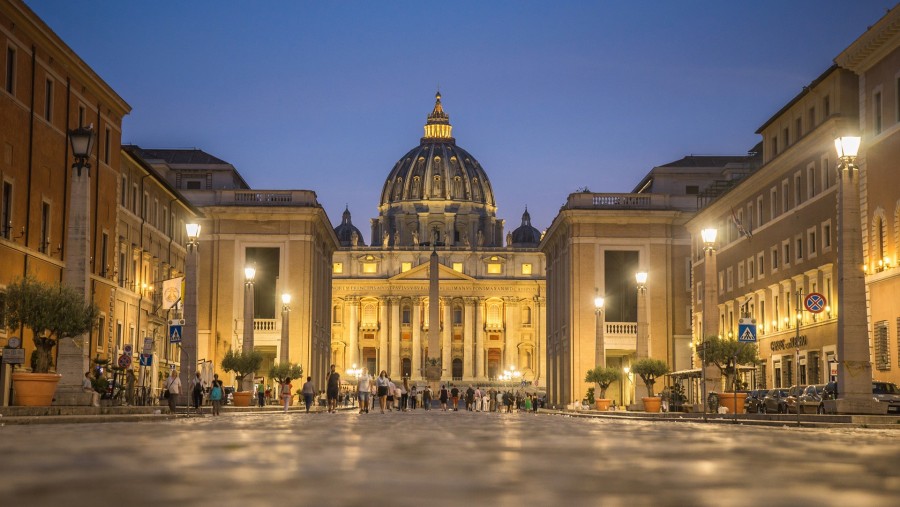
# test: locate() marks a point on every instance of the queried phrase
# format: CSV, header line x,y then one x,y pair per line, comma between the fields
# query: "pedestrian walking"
x,y
443,395
261,394
373,393
477,399
173,389
383,384
392,388
470,399
309,392
404,394
528,403
426,397
216,394
197,392
413,395
333,388
454,398
286,387
362,391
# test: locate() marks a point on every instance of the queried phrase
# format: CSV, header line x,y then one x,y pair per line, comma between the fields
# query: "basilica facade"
x,y
438,199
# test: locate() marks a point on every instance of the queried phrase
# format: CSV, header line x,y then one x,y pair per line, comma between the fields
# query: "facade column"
x,y
510,333
540,367
447,340
416,360
352,356
469,355
480,372
394,363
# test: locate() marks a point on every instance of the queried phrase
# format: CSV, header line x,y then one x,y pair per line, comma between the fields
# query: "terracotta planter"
x,y
243,398
602,404
34,389
651,404
732,400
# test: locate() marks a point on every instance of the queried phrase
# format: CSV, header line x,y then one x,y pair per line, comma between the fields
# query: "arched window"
x,y
493,314
336,314
457,315
526,316
406,315
369,315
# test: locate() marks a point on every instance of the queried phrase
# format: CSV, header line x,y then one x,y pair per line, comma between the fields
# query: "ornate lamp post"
x,y
710,322
188,356
854,366
249,275
74,353
285,323
600,354
642,347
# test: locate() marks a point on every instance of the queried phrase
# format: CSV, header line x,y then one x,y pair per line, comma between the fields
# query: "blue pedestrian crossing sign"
x,y
747,330
176,327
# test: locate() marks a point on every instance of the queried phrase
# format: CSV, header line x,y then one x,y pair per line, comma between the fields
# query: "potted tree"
x,y
726,354
649,370
242,364
281,372
603,376
52,312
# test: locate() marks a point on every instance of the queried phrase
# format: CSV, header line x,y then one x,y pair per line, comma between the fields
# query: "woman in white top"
x,y
173,384
382,383
362,391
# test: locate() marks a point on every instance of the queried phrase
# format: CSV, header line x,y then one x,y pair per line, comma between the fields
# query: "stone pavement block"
x,y
443,458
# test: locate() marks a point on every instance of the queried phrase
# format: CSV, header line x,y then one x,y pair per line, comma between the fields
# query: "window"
x,y
759,211
729,278
193,185
774,256
81,113
6,210
876,112
721,282
457,316
494,268
773,203
826,179
104,254
740,268
145,203
134,199
798,192
760,265
48,100
44,246
405,266
811,118
165,221
406,315
458,267
526,268
826,106
124,191
826,235
107,145
882,348
370,267
337,268
810,181
774,144
10,69
785,195
811,242
101,339
799,250
751,269
786,137
692,189
798,128
786,252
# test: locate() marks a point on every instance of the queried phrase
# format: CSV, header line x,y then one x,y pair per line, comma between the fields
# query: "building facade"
x,y
437,198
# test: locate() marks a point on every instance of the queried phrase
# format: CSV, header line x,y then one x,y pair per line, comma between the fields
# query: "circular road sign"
x,y
815,302
124,361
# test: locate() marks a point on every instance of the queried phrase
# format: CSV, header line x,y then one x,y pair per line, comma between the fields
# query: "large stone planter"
x,y
243,398
34,389
652,403
602,404
734,402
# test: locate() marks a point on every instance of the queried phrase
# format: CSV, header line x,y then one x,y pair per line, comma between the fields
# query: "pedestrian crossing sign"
x,y
747,330
175,334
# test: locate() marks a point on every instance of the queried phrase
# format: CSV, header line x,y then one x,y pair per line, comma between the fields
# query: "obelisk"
x,y
433,366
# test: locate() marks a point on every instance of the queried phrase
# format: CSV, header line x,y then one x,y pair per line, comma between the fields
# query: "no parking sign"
x,y
815,302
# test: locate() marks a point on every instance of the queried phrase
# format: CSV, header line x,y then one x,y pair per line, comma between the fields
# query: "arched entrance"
x,y
405,367
457,369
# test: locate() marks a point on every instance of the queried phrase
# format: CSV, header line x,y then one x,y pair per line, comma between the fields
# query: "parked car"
x,y
773,402
811,400
790,401
887,392
754,401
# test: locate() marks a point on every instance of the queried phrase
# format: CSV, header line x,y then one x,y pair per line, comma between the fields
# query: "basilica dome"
x,y
347,233
526,235
437,169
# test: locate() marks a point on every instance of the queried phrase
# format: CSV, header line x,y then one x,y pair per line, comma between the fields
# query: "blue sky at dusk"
x,y
548,96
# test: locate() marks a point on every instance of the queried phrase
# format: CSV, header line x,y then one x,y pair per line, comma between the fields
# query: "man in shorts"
x,y
362,391
334,386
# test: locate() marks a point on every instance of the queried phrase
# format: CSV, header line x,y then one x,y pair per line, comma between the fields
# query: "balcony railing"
x,y
265,324
255,198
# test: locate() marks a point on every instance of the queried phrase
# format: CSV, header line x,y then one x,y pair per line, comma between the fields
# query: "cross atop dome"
x,y
438,124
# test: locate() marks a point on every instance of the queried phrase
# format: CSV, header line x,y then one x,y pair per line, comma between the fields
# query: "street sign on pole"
x,y
747,330
146,359
124,361
815,302
175,330
148,345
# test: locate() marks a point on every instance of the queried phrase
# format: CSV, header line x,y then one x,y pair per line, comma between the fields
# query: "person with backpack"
x,y
216,394
197,392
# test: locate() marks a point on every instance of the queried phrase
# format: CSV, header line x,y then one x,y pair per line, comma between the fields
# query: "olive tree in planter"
x,y
285,372
649,370
727,354
52,312
603,376
242,364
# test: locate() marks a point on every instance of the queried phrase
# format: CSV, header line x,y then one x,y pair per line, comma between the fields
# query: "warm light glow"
x,y
709,235
193,231
847,147
627,370
286,298
249,273
598,303
641,277
82,138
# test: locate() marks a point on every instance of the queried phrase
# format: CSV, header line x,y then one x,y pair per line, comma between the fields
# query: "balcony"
x,y
620,335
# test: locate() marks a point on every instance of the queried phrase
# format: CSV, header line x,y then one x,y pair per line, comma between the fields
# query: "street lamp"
x,y
249,275
854,366
600,354
642,347
188,355
627,371
285,323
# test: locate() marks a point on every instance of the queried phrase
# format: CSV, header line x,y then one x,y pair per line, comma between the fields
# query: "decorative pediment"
x,y
423,272
493,259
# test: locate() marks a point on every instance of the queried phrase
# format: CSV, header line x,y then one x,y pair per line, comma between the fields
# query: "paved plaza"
x,y
443,458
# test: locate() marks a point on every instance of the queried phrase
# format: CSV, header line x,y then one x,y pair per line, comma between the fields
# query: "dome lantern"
x,y
437,127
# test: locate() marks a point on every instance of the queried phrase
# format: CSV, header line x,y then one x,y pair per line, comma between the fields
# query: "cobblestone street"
x,y
439,458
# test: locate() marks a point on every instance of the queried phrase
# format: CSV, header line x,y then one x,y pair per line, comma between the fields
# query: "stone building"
x,y
438,198
596,245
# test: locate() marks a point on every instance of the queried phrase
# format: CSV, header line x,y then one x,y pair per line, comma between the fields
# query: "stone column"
x,y
247,384
352,356
447,342
510,333
540,369
383,326
478,308
189,335
394,363
468,328
416,372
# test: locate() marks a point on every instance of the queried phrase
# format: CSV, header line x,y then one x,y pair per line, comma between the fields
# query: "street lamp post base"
x,y
864,407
